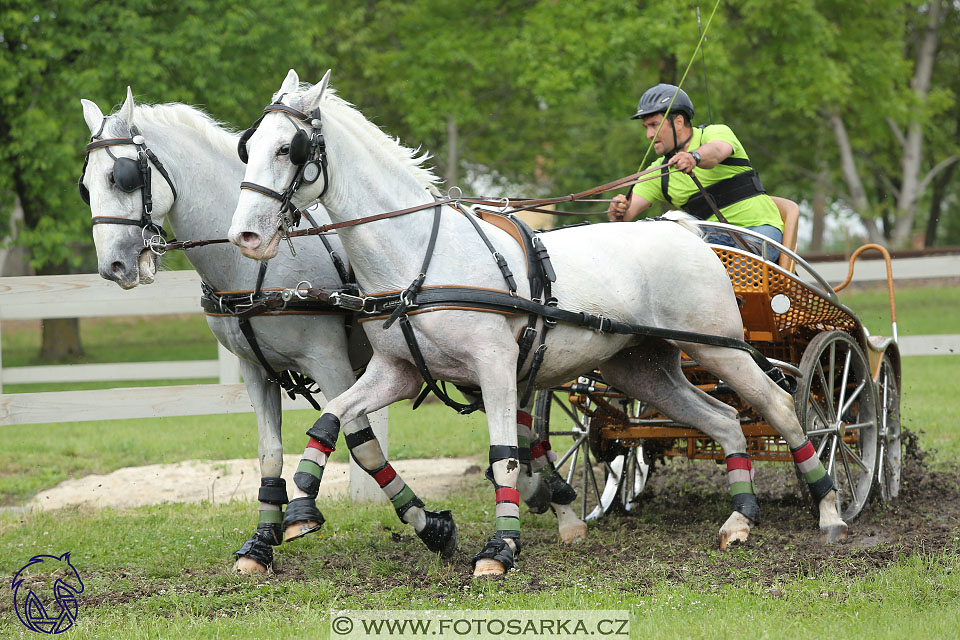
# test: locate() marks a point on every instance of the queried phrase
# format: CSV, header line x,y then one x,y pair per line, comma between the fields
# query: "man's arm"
x,y
711,154
622,211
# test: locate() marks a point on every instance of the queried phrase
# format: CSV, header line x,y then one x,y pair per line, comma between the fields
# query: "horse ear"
x,y
126,111
316,91
291,83
92,115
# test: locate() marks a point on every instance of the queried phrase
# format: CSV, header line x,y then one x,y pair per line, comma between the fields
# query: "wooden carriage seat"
x,y
790,213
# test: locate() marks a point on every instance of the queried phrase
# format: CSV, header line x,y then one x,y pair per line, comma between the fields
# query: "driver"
x,y
713,154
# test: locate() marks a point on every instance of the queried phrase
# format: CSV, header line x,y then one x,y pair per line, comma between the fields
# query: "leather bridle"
x,y
308,153
129,175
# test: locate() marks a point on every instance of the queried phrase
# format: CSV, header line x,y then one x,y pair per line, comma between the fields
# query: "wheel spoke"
x,y
827,389
820,432
572,415
571,451
843,381
848,452
825,414
833,454
846,471
573,463
823,445
833,371
856,426
852,398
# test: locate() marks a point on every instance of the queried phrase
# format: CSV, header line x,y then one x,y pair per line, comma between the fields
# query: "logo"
x,y
45,593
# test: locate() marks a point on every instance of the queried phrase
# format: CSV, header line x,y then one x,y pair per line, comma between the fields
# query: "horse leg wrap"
x,y
310,470
272,497
561,492
534,490
440,534
504,464
498,549
260,546
302,510
326,430
742,493
809,465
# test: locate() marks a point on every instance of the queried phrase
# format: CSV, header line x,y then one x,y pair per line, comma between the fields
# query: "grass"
x,y
161,572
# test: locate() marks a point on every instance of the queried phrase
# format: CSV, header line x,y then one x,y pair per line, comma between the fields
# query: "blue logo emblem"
x,y
45,594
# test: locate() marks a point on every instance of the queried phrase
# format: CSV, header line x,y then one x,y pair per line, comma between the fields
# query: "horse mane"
x,y
381,143
179,115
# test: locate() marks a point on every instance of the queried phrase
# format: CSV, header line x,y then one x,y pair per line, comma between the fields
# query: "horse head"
x,y
128,198
286,167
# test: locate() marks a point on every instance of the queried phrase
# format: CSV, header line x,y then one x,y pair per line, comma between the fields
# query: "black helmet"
x,y
657,99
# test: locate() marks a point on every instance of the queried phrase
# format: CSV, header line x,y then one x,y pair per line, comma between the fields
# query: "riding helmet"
x,y
657,99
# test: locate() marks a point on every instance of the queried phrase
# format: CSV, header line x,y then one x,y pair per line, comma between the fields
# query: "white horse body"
x,y
201,159
654,273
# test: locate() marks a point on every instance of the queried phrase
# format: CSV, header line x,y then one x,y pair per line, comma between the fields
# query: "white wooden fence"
x,y
88,295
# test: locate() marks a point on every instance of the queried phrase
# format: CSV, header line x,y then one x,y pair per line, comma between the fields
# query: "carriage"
x,y
847,399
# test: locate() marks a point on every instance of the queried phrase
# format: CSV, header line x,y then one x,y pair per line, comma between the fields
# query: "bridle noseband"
x,y
128,175
307,153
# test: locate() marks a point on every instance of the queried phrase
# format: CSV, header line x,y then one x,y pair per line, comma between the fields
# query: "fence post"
x,y
1,360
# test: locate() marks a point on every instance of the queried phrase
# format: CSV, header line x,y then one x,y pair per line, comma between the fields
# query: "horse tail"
x,y
685,220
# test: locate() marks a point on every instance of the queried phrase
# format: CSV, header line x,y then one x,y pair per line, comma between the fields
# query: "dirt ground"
x,y
223,480
670,536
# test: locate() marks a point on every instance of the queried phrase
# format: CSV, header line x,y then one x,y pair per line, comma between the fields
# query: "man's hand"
x,y
618,208
684,161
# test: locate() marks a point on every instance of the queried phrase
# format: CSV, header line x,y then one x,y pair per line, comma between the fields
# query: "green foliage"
x,y
538,91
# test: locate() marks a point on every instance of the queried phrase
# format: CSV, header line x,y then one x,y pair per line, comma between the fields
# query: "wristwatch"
x,y
696,157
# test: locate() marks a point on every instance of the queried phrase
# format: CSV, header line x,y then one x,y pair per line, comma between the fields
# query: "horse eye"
x,y
110,179
284,150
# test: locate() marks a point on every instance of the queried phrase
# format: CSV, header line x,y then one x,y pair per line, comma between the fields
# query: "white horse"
x,y
200,158
655,274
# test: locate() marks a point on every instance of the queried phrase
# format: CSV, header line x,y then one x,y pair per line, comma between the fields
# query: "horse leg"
x,y
651,372
256,554
436,529
498,386
383,382
540,485
739,371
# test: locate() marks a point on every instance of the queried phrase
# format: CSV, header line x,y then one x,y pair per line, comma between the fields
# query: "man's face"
x,y
664,140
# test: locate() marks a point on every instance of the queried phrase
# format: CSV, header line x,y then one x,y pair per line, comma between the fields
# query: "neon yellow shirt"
x,y
752,212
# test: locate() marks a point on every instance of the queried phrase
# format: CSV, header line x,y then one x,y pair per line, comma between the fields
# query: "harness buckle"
x,y
345,300
550,302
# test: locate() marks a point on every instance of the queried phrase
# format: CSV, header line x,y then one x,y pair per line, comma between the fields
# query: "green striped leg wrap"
x,y
809,465
742,492
310,470
508,498
370,458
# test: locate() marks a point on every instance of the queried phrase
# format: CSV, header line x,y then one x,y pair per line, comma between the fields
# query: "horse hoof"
x,y
833,533
728,538
249,566
300,529
488,567
574,532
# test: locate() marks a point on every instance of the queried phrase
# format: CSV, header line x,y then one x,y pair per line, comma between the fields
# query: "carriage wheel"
x,y
600,485
891,445
837,407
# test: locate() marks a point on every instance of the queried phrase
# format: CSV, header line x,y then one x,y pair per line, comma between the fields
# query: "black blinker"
x,y
126,175
300,148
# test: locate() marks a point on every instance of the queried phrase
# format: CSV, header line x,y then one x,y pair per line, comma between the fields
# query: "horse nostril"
x,y
250,239
117,268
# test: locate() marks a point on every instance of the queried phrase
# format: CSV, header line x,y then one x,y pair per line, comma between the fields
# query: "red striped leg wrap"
x,y
320,446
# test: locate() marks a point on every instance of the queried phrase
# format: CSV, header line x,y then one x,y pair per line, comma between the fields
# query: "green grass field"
x,y
164,571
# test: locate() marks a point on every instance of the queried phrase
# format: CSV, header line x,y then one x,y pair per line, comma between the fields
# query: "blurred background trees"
x,y
848,107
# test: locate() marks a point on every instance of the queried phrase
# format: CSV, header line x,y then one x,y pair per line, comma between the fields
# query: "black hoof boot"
x,y
498,549
302,517
440,534
539,502
562,493
259,547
